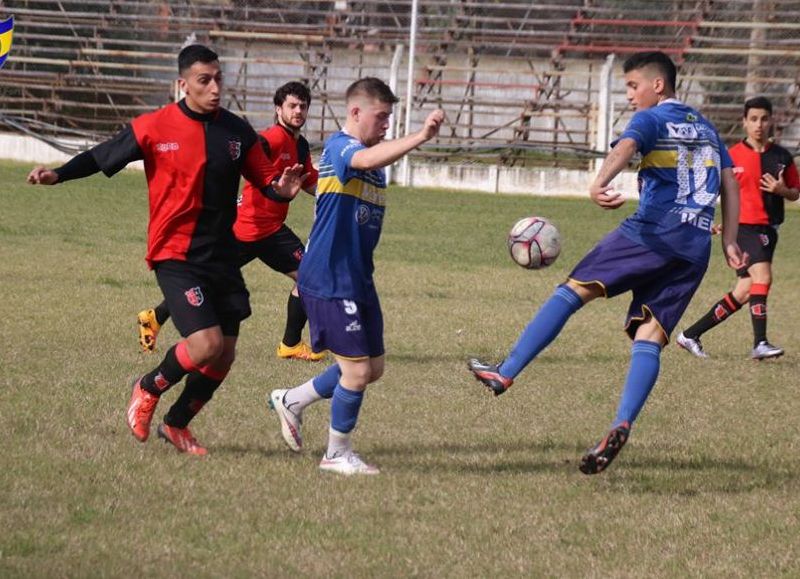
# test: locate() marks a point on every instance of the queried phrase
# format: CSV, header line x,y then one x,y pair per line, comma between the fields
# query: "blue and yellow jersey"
x,y
349,215
6,38
679,180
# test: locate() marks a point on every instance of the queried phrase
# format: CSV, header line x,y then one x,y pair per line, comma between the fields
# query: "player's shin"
x,y
758,311
542,330
345,407
295,321
718,313
200,388
642,376
320,387
175,365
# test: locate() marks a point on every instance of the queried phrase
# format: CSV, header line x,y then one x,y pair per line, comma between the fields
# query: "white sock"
x,y
296,399
338,443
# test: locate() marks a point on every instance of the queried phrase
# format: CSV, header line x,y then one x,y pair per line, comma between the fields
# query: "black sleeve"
x,y
303,150
78,167
270,193
114,154
265,146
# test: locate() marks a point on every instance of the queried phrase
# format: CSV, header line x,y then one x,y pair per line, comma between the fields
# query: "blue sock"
x,y
642,375
325,383
542,330
344,408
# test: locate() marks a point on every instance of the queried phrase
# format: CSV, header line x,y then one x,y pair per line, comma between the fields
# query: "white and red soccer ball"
x,y
534,242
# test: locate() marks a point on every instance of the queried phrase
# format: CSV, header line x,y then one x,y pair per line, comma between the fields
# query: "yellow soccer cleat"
x,y
301,351
148,330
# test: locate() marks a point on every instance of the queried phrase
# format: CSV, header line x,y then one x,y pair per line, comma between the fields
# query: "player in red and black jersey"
x,y
194,152
260,229
767,176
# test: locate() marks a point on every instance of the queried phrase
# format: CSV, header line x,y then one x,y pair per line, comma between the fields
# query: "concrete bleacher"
x,y
518,79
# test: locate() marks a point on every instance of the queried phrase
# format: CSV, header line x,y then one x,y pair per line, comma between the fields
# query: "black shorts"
x,y
759,242
282,251
203,296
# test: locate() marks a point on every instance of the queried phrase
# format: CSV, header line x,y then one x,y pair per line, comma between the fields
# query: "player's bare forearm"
x,y
730,221
388,152
600,191
616,160
729,199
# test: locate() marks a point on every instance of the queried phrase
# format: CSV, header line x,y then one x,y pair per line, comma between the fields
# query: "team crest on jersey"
x,y
235,149
691,117
194,296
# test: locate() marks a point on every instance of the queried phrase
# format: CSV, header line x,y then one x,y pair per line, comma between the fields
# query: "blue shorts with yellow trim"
x,y
347,328
662,286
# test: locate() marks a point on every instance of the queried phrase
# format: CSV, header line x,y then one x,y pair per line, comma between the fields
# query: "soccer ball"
x,y
534,242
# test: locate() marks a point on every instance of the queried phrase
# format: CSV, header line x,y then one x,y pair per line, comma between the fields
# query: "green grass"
x,y
471,485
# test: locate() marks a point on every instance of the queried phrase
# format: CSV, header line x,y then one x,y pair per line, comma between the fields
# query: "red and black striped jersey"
x,y
192,163
258,216
758,207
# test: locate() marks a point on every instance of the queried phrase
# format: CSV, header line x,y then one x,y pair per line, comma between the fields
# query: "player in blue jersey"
x,y
335,276
660,253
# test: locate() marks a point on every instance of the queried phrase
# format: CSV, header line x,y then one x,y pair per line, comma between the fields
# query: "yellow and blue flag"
x,y
6,34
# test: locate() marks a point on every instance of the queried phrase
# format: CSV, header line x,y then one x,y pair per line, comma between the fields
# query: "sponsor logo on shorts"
x,y
298,254
235,149
362,214
167,147
353,326
764,239
194,296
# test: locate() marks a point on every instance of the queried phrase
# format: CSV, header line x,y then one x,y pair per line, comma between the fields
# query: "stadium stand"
x,y
518,79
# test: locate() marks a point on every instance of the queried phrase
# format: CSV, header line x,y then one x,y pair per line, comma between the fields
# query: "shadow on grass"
x,y
638,469
253,449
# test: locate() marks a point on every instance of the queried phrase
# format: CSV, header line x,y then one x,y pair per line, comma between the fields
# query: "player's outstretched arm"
x,y
388,152
779,187
617,159
289,183
42,176
729,200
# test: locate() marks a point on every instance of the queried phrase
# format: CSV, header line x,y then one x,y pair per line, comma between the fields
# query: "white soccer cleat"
x,y
765,350
290,423
692,345
347,464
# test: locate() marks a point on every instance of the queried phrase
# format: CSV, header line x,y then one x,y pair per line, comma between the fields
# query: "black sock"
x,y
295,321
166,374
198,391
718,313
758,315
162,313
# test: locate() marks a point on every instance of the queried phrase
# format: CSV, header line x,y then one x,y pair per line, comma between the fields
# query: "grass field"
x,y
472,486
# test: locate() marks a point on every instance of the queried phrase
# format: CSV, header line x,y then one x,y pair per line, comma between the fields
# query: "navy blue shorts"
x,y
203,296
348,329
662,286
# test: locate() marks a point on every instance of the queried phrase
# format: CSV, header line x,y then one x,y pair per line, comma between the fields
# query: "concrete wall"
x,y
488,178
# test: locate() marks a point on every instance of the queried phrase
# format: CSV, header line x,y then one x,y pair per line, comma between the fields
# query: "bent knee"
x,y
205,350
